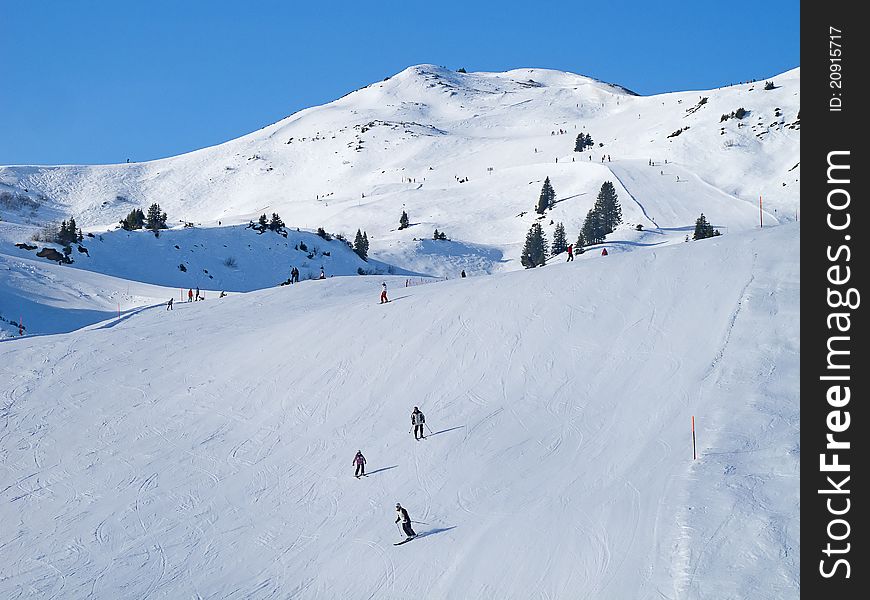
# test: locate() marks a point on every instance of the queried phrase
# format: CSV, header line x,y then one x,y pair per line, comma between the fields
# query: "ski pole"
x,y
399,528
429,428
420,522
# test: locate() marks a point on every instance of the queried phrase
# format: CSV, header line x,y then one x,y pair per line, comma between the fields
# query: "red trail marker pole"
x,y
694,450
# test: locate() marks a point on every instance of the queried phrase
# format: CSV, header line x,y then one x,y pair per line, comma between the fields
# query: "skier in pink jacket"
x,y
360,461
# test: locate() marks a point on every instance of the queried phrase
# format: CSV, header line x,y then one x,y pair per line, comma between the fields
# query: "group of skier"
x,y
418,420
191,298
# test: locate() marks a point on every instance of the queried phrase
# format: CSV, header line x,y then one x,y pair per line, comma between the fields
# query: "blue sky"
x,y
102,81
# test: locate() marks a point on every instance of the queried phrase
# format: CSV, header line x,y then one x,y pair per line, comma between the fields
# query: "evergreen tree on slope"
x,y
535,248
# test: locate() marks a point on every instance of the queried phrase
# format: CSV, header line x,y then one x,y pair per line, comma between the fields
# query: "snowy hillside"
x,y
465,153
206,452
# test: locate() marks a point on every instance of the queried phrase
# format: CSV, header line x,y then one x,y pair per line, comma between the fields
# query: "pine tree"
x,y
593,231
361,245
403,220
263,222
547,197
609,208
588,140
134,220
155,219
703,229
580,143
275,223
578,245
535,248
560,242
436,235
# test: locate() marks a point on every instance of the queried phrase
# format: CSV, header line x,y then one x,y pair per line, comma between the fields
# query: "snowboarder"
x,y
570,252
360,461
417,420
222,294
169,304
604,252
190,295
384,293
402,515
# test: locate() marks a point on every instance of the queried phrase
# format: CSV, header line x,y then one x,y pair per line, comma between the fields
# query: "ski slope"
x,y
207,452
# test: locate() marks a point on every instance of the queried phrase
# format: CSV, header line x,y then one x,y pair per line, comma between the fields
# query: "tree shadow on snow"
x,y
446,430
381,469
435,531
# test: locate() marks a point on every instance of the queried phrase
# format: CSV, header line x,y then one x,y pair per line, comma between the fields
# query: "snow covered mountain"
x,y
206,452
465,153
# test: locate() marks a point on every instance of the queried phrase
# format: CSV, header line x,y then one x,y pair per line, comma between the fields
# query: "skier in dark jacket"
x,y
360,461
294,275
417,420
402,515
169,304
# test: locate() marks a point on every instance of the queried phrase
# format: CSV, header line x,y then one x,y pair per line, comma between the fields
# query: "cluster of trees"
x,y
601,220
154,220
439,235
703,229
735,114
264,224
68,233
361,245
583,140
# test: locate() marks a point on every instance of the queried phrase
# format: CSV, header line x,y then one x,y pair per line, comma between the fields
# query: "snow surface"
x,y
206,452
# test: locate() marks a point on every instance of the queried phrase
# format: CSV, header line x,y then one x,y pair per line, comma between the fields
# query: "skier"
x,y
462,274
322,274
360,461
417,420
604,252
384,293
294,275
570,252
402,515
190,295
169,304
222,294
197,293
